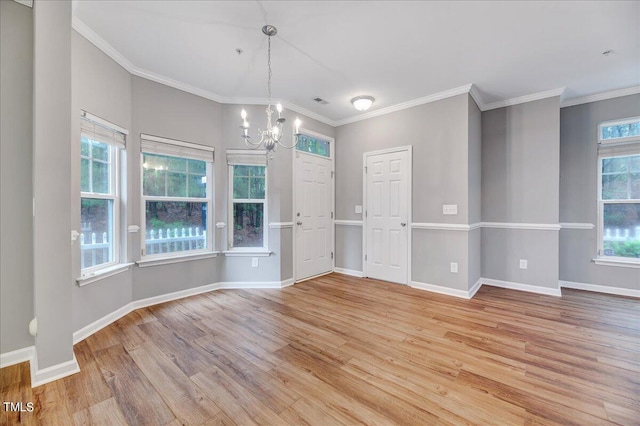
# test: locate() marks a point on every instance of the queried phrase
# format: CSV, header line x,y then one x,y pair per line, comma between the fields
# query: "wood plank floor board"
x,y
185,400
234,400
262,385
340,350
88,387
187,356
15,386
106,412
139,401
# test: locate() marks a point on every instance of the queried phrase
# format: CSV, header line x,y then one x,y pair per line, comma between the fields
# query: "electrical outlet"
x,y
523,263
449,209
254,262
454,267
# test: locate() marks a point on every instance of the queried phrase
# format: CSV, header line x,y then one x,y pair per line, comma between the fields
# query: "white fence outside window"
x,y
156,241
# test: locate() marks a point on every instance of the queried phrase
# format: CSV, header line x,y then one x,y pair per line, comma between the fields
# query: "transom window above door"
x,y
314,145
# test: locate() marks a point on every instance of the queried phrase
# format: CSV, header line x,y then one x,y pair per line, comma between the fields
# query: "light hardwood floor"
x,y
343,350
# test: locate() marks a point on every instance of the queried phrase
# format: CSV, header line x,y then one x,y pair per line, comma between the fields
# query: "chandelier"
x,y
271,136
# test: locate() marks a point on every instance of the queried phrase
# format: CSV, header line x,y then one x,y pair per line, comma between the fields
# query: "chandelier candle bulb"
x,y
279,108
298,123
243,114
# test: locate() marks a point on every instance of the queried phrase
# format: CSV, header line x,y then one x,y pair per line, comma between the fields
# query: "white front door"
x,y
313,219
387,181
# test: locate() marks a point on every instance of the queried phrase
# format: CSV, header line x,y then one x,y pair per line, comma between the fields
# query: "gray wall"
x,y
51,182
102,88
475,191
440,135
578,191
170,113
520,184
16,114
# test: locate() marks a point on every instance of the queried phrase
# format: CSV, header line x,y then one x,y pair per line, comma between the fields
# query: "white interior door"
x,y
387,181
313,220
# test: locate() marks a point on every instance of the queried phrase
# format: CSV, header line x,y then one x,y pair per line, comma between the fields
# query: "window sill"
x,y
144,263
103,273
615,262
246,253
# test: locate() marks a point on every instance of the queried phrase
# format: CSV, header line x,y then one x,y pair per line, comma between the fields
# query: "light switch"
x,y
254,262
450,209
359,209
454,267
523,263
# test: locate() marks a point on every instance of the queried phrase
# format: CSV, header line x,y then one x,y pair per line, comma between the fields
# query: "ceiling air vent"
x,y
321,101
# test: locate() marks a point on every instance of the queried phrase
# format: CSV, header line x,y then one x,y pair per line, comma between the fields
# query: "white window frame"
x,y
613,148
265,209
116,145
627,139
174,148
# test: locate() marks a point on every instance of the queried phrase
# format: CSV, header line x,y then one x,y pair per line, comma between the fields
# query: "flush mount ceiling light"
x,y
362,103
270,137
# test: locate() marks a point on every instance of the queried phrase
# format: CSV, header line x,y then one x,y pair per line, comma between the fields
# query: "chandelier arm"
x,y
292,146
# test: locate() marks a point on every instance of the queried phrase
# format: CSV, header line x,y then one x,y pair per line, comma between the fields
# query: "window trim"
x,y
115,170
264,249
627,139
172,146
601,259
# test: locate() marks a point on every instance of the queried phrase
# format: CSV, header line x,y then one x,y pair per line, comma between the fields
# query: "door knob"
x,y
299,223
403,224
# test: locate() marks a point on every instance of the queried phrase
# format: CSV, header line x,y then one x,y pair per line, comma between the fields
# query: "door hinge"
x,y
142,252
365,257
366,213
332,255
365,169
332,174
331,215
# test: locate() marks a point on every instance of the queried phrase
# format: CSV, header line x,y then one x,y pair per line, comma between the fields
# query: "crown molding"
x,y
524,99
85,31
404,105
28,3
475,94
634,90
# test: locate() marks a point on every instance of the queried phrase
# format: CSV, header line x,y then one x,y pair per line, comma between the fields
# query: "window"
x,y
619,131
619,194
313,145
176,197
248,199
100,146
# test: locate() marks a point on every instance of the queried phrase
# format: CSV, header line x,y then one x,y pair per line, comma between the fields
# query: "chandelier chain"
x,y
269,65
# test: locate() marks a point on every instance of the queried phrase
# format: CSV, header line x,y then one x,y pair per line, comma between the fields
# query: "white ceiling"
x,y
395,51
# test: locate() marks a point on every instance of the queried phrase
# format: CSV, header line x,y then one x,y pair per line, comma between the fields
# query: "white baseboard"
x,y
522,287
250,285
351,272
600,288
474,288
464,294
55,372
287,283
101,323
16,357
155,300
